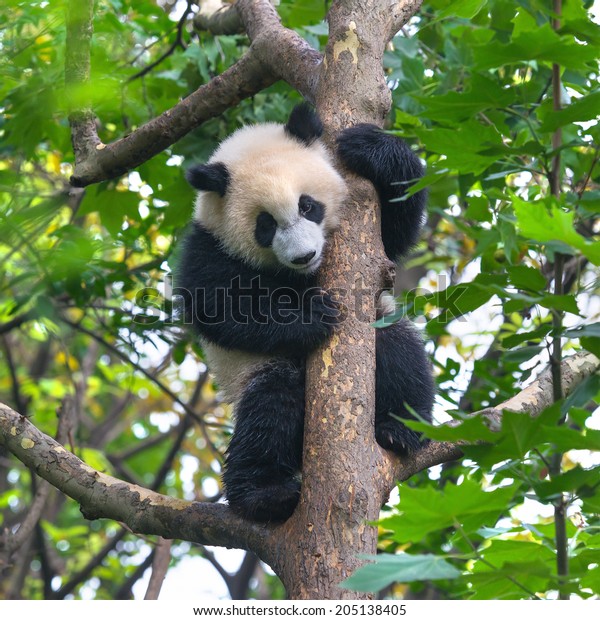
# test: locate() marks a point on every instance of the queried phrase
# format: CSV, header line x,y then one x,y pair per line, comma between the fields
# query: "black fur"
x,y
283,313
237,307
209,177
265,453
265,229
403,377
304,124
311,209
392,167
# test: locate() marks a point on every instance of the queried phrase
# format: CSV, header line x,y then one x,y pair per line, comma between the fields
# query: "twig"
x,y
124,592
16,322
160,566
177,43
244,79
531,401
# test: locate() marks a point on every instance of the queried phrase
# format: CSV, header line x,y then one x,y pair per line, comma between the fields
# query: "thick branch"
x,y
244,79
286,55
147,512
225,20
276,53
401,12
531,401
142,510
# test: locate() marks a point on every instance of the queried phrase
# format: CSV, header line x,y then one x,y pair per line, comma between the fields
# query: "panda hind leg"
x,y
403,377
264,457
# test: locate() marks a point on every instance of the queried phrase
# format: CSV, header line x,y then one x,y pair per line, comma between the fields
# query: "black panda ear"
x,y
304,124
209,177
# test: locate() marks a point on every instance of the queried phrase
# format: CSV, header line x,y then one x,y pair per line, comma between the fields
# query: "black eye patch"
x,y
311,209
265,229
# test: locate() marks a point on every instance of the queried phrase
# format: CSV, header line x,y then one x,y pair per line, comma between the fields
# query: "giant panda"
x,y
267,201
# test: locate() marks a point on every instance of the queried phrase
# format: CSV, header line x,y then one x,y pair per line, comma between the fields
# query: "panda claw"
x,y
397,438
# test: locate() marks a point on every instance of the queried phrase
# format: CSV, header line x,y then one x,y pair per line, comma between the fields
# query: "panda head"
x,y
270,194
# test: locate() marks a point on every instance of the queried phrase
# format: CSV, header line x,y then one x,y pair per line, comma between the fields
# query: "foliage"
x,y
474,86
85,282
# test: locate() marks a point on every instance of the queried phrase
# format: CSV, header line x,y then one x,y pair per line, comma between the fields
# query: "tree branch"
x,y
276,53
531,401
80,14
142,510
160,566
286,55
225,20
244,79
16,322
178,42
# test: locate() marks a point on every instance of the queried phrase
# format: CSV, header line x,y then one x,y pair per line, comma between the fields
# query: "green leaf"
x,y
472,429
429,510
584,109
96,460
483,94
464,146
547,222
586,391
535,335
571,480
403,567
592,345
542,44
463,8
566,303
593,330
518,356
527,278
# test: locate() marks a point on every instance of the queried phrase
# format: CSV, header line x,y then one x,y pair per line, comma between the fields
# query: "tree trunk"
x,y
345,474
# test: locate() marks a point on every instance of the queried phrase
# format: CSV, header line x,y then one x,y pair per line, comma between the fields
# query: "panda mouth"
x,y
309,267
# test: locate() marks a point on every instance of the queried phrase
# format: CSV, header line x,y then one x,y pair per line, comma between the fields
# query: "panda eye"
x,y
265,228
311,209
305,207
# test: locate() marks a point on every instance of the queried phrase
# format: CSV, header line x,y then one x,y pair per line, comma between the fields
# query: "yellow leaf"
x,y
54,163
62,358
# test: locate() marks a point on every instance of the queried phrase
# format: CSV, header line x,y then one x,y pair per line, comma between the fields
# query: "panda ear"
x,y
304,124
209,177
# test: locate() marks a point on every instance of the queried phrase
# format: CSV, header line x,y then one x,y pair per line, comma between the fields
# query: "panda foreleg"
x,y
392,167
264,457
403,376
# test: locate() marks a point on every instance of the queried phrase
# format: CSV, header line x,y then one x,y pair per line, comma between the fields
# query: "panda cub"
x,y
268,199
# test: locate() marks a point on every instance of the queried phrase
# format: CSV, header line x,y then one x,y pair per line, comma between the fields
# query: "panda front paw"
x,y
324,311
364,149
394,436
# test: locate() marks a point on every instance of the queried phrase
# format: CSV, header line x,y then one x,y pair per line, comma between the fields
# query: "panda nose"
x,y
303,260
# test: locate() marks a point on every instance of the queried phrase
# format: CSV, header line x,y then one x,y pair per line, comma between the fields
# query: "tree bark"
x,y
346,475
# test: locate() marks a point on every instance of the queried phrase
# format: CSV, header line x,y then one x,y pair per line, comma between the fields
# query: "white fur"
x,y
269,171
298,239
232,368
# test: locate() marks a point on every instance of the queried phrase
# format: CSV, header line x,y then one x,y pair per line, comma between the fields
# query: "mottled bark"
x,y
102,496
343,466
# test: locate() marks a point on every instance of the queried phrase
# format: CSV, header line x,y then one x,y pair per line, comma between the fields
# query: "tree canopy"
x,y
501,101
